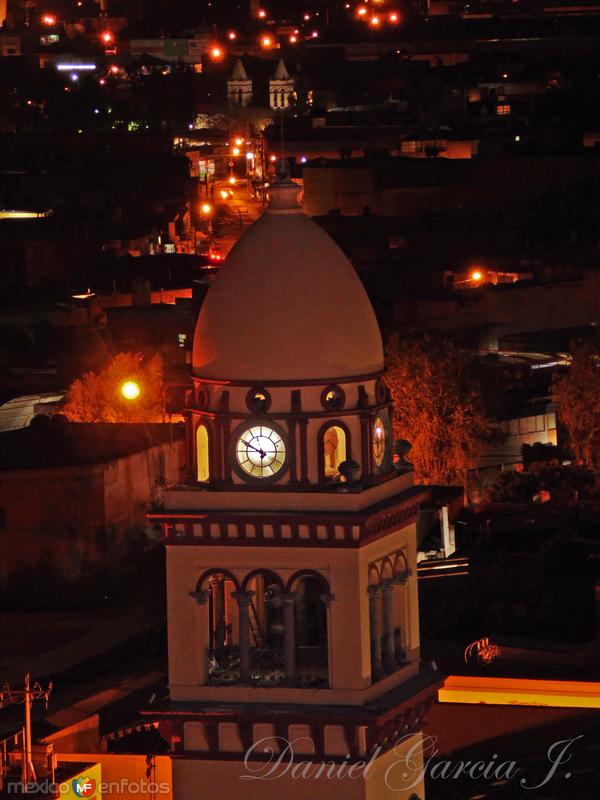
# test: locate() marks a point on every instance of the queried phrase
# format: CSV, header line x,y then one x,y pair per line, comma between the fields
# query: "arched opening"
x,y
335,450
202,454
311,634
267,628
378,444
223,626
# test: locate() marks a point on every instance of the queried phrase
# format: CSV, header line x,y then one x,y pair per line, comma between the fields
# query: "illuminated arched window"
x,y
378,443
202,454
334,450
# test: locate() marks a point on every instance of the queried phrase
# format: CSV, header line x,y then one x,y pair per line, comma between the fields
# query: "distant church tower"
x,y
239,86
281,87
291,548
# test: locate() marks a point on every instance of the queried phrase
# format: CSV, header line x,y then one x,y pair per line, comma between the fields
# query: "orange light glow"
x,y
315,34
476,275
262,13
232,180
239,141
519,692
206,209
232,35
131,390
266,41
49,19
114,69
107,37
374,22
362,11
216,53
273,158
394,17
293,39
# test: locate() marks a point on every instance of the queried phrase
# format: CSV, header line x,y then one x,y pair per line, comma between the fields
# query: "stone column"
x,y
289,641
201,619
389,645
374,632
243,600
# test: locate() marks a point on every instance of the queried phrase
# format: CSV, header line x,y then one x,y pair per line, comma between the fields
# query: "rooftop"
x,y
80,444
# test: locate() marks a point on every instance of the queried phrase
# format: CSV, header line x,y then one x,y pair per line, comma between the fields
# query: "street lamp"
x,y
130,390
206,209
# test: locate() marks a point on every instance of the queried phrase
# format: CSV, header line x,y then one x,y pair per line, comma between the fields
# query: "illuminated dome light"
x,y
289,306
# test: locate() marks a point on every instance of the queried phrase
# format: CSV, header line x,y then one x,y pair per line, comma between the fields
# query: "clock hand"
x,y
258,450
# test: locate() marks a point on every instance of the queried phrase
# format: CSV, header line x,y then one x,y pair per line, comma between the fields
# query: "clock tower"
x,y
294,661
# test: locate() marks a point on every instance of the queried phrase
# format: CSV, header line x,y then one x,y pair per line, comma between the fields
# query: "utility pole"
x,y
26,697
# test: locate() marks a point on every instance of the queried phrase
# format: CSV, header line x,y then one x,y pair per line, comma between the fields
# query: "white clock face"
x,y
260,451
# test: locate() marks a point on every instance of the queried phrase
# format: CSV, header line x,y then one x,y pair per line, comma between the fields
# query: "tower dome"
x,y
287,306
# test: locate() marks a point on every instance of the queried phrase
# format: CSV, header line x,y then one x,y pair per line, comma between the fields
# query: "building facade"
x,y
291,547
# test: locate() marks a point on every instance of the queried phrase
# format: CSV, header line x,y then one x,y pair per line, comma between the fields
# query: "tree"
x,y
440,408
577,393
97,397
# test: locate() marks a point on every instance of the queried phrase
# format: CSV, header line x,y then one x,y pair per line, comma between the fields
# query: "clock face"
x,y
378,442
260,451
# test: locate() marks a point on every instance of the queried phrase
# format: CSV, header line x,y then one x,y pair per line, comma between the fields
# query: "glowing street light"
x,y
216,53
206,209
293,39
394,17
235,151
239,141
130,390
477,275
374,22
266,41
232,35
262,13
362,11
107,37
49,19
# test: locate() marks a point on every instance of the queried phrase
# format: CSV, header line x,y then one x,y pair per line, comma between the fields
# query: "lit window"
x,y
503,111
258,400
334,450
378,442
333,398
202,445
